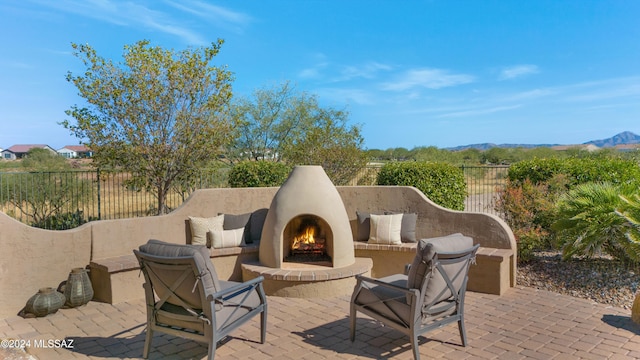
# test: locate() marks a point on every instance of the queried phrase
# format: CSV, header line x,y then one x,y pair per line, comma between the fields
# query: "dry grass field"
x,y
109,197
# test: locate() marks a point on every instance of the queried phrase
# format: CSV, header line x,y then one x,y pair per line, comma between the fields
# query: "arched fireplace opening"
x,y
307,206
308,239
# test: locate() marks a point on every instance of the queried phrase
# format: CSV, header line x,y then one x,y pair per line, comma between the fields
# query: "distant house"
x,y
19,151
75,151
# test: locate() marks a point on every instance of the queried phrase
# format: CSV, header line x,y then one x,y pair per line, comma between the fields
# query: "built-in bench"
x,y
491,273
116,277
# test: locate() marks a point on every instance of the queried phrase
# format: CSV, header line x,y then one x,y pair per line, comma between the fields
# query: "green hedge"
x,y
576,170
258,174
441,182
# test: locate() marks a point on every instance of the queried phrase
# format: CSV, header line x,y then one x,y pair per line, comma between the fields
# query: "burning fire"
x,y
306,240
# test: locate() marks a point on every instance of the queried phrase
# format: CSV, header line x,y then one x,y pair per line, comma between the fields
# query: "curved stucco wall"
x,y
433,220
33,258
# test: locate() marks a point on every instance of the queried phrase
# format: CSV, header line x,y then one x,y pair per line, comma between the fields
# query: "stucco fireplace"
x,y
306,248
307,202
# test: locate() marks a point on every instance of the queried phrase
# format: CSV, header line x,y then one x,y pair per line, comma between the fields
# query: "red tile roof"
x,y
77,148
24,148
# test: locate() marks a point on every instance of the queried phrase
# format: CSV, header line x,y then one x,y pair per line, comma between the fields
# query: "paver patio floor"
x,y
523,323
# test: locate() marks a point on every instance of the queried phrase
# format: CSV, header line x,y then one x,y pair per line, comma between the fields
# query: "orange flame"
x,y
307,237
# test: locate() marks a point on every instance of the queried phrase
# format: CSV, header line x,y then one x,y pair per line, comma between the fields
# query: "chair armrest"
x,y
236,289
412,292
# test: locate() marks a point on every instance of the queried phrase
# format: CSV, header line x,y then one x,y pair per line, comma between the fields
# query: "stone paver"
x,y
522,324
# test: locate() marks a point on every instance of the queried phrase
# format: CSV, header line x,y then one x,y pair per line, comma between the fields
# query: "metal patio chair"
x,y
430,296
185,298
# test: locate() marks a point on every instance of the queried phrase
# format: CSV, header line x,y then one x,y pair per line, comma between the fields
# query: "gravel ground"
x,y
602,279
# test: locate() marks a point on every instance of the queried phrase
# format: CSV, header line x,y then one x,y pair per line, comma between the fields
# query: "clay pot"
x,y
78,290
46,301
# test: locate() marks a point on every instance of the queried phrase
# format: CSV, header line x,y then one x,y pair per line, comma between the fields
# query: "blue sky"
x,y
411,73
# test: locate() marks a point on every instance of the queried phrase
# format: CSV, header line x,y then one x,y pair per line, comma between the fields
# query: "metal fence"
x,y
63,200
483,185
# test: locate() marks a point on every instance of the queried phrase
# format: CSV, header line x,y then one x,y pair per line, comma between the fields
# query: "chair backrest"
x,y
440,267
181,275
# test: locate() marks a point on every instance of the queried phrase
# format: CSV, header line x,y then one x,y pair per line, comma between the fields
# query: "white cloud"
x,y
480,111
517,71
224,17
339,73
314,72
345,95
367,71
133,14
16,64
427,78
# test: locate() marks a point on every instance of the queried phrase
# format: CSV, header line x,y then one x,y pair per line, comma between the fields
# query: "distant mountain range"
x,y
623,138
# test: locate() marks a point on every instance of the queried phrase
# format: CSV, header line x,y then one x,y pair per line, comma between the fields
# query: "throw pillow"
x,y
226,238
232,221
256,222
385,229
364,224
200,227
408,230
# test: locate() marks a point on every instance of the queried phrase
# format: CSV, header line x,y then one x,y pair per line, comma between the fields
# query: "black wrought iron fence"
x,y
63,200
483,185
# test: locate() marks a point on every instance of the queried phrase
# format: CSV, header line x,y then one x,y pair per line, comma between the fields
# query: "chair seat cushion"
x,y
174,315
387,302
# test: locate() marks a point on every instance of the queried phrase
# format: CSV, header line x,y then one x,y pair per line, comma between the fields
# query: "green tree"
x,y
282,124
332,144
160,115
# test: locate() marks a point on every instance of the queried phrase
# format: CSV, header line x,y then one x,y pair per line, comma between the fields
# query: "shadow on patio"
x,y
523,323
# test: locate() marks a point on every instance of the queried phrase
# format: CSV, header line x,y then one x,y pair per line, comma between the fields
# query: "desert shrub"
x,y
533,186
258,174
528,208
587,223
577,171
630,212
536,171
62,221
442,183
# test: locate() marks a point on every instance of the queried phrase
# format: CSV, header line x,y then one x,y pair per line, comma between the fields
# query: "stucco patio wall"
x,y
33,258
